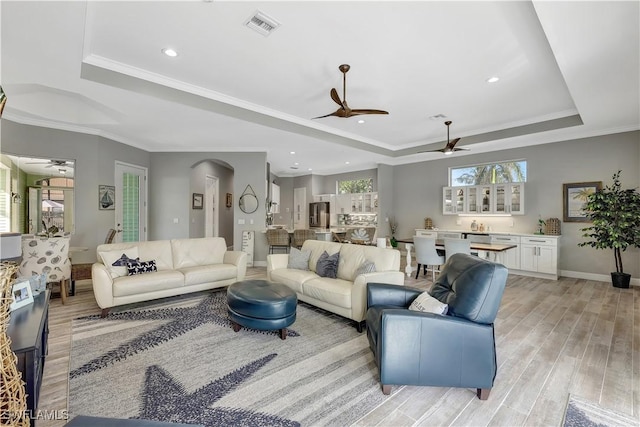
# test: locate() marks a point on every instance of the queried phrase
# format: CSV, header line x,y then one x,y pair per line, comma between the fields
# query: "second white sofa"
x,y
345,295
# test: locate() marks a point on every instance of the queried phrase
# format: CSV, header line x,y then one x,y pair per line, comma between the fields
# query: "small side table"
x,y
79,272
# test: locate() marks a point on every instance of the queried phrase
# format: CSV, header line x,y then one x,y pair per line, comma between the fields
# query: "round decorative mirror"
x,y
248,201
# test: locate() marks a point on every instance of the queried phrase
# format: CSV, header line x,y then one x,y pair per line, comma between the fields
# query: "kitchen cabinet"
x,y
484,199
511,257
426,233
508,199
343,203
275,198
539,255
454,200
364,203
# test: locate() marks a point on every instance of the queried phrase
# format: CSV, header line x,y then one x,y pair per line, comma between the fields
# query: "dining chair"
x,y
427,255
299,237
111,234
278,238
454,246
49,256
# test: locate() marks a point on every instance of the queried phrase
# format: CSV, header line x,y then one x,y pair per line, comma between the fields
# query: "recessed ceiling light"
x,y
169,52
360,121
346,163
309,169
493,79
292,152
296,163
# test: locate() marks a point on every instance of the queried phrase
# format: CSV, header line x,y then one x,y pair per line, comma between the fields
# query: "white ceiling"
x,y
567,70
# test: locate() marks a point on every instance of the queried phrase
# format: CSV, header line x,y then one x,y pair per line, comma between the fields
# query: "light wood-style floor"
x,y
553,338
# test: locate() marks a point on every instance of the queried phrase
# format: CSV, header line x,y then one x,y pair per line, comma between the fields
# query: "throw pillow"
x,y
327,265
110,257
141,267
427,303
366,267
124,260
298,259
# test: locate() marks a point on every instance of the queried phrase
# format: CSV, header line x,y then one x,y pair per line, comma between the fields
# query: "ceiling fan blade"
x,y
462,149
451,144
336,98
360,111
337,113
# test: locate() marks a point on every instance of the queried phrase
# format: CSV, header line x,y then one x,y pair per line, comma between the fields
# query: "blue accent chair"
x,y
425,349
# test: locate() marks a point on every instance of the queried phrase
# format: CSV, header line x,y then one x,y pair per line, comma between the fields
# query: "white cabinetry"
x,y
343,203
426,233
275,198
449,235
511,257
539,255
364,203
484,199
454,200
508,199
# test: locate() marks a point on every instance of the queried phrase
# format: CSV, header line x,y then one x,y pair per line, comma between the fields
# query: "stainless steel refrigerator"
x,y
319,215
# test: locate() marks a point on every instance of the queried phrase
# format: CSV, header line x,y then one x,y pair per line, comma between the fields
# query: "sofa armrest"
x,y
437,349
102,285
239,259
388,294
275,262
359,289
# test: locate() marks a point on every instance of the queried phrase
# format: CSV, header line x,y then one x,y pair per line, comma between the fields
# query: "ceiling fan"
x,y
344,110
53,162
450,147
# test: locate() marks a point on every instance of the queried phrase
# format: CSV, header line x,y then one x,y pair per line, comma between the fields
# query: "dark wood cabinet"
x,y
29,331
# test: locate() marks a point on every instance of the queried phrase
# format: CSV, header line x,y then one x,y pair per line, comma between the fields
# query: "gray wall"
x,y
408,192
225,175
95,160
417,192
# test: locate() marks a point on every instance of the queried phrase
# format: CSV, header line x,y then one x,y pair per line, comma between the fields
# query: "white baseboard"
x,y
593,276
259,263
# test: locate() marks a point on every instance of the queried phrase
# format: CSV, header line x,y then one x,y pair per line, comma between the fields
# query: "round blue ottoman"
x,y
263,305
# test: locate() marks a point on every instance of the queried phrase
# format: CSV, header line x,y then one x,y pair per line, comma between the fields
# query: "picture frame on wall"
x,y
106,197
197,201
22,295
229,200
574,199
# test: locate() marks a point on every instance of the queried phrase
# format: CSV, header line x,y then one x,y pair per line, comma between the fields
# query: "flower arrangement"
x,y
393,225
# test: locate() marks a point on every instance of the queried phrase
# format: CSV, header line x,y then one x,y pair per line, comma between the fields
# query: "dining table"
x,y
494,248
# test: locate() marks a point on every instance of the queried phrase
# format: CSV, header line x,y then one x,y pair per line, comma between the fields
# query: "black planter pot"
x,y
620,280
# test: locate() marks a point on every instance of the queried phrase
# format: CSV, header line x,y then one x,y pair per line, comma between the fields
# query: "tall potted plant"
x,y
615,214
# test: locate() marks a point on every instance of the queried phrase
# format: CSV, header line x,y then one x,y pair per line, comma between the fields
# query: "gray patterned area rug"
x,y
179,360
582,413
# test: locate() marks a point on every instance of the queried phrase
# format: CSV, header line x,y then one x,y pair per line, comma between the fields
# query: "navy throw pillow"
x,y
327,265
141,267
124,260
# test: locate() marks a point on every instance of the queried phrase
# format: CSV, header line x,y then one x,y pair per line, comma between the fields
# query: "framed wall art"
x,y
197,201
229,201
574,199
106,197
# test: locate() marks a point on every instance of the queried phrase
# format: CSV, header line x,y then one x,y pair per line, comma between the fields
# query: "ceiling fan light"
x,y
447,152
170,52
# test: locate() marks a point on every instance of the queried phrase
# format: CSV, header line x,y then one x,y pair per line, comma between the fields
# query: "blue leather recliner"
x,y
425,349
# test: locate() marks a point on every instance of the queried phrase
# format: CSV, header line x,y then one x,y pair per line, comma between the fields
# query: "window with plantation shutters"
x,y
130,207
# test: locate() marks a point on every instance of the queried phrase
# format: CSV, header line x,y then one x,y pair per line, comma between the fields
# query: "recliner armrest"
x,y
386,294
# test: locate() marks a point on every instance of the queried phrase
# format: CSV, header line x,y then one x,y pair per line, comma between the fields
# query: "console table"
x,y
29,331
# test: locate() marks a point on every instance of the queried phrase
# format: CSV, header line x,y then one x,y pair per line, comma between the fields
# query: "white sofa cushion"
x,y
143,283
353,256
208,273
195,252
333,291
293,278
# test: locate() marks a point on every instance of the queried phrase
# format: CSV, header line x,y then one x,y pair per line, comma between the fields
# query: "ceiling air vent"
x,y
262,23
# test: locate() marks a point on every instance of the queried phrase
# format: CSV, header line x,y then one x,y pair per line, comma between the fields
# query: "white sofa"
x,y
345,295
184,266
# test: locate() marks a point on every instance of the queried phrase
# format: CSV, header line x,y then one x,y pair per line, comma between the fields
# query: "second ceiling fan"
x,y
345,111
451,144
